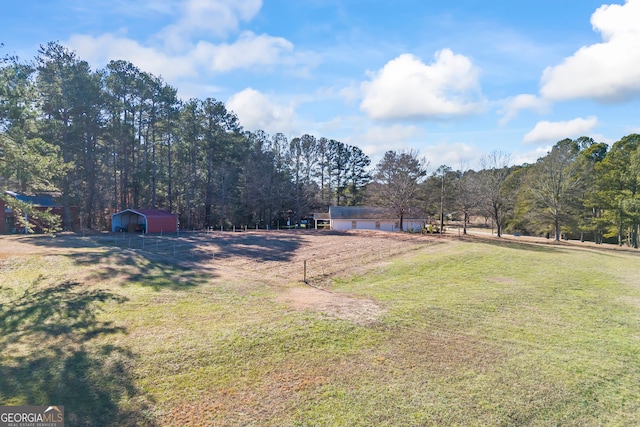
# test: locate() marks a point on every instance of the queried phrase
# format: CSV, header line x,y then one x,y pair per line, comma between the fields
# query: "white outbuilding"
x,y
370,218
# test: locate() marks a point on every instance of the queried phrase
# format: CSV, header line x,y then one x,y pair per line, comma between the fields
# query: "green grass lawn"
x,y
472,333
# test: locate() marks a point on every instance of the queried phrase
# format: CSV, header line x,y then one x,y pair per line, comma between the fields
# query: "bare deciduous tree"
x,y
496,200
398,176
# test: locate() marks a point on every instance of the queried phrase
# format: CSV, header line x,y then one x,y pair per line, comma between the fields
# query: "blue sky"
x,y
454,80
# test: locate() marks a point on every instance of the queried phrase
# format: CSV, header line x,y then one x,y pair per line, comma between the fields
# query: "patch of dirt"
x,y
193,414
276,393
281,257
360,311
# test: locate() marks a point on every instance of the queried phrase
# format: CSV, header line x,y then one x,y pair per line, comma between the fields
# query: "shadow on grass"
x,y
188,246
545,247
146,269
261,246
54,353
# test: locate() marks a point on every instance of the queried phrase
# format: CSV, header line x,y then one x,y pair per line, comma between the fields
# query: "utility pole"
x,y
442,203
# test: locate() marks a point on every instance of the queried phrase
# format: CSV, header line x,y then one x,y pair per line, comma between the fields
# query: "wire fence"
x,y
168,245
313,261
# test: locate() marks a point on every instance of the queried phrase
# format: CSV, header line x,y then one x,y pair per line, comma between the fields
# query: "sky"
x,y
453,80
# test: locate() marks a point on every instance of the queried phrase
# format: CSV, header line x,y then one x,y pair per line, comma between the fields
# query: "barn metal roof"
x,y
147,212
40,200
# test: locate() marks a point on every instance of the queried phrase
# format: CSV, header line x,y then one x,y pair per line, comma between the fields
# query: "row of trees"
x,y
119,137
580,188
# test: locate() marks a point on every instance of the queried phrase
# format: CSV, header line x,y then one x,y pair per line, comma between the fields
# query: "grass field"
x,y
477,332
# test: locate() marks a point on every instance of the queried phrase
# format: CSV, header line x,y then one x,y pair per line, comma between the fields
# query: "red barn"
x,y
41,202
144,221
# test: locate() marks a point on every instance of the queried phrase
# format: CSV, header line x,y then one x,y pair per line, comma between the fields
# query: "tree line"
x,y
115,138
120,138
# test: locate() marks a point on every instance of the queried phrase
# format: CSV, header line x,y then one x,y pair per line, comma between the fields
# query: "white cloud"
x,y
552,132
512,106
606,71
257,112
408,88
247,51
210,18
179,57
100,50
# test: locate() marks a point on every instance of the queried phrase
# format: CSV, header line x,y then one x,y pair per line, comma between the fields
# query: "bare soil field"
x,y
284,260
263,255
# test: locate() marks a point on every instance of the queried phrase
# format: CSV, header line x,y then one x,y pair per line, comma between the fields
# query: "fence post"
x,y
305,271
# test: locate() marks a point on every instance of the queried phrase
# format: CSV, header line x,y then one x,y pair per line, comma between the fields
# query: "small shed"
x,y
144,221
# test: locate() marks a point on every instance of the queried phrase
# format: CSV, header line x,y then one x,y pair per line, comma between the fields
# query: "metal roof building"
x,y
144,221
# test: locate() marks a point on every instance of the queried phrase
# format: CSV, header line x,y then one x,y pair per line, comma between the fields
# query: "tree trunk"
x,y
620,230
464,223
170,174
496,218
